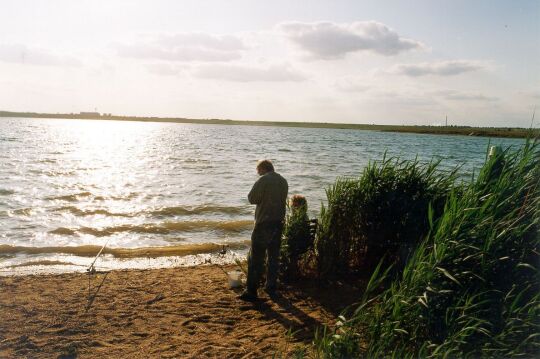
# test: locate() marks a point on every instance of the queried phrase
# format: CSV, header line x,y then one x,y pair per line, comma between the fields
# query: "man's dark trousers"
x,y
265,242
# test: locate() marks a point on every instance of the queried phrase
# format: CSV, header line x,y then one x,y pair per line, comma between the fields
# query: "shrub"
x,y
297,239
382,213
472,288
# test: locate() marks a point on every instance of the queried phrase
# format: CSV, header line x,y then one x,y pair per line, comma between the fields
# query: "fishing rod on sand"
x,y
91,270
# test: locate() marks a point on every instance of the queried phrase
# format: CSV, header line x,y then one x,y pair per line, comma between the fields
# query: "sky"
x,y
373,62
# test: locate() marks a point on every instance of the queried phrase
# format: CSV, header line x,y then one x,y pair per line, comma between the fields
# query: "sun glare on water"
x,y
109,161
109,154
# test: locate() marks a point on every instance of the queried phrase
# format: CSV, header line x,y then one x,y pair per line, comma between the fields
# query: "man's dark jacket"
x,y
269,193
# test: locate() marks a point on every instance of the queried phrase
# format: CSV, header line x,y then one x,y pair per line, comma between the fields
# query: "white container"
x,y
235,278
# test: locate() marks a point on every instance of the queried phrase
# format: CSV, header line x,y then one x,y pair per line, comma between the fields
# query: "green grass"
x,y
471,288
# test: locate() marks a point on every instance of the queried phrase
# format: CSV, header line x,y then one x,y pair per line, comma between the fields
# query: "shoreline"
x,y
173,312
65,260
503,132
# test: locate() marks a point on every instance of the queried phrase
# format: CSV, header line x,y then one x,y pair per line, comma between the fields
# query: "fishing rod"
x,y
91,268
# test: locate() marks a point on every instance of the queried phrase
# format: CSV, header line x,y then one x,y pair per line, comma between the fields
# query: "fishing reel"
x,y
91,269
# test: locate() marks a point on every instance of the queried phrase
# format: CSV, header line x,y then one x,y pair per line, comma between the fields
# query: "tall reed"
x,y
472,287
384,212
297,238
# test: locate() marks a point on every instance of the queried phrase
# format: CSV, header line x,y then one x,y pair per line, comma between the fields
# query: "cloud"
x,y
185,47
464,96
203,40
348,85
328,40
163,69
531,94
21,54
237,73
441,68
471,97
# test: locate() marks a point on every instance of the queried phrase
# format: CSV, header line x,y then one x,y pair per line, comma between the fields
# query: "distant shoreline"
x,y
507,132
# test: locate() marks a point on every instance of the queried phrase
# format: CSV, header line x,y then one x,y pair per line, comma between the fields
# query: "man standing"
x,y
269,193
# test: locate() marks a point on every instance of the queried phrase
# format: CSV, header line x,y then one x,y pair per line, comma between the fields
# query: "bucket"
x,y
235,278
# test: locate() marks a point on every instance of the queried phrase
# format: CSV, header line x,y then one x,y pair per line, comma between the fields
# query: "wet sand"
x,y
169,313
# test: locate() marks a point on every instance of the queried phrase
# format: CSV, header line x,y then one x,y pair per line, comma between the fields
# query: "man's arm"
x,y
255,195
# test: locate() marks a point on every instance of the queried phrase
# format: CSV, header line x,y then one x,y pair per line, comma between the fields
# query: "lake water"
x,y
151,191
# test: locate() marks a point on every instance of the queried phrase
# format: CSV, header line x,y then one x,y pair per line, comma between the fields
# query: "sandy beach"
x,y
176,312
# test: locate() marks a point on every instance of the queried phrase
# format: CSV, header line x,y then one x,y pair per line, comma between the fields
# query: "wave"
x,y
227,226
161,228
127,197
59,173
192,160
91,212
23,211
42,263
6,192
76,196
9,139
63,231
92,250
48,160
69,197
173,211
158,212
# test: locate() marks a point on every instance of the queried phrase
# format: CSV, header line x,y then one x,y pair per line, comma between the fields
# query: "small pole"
x,y
494,151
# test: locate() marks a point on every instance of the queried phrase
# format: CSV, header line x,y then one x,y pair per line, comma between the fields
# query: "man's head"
x,y
264,167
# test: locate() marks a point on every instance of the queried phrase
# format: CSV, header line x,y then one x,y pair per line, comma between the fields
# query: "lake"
x,y
152,191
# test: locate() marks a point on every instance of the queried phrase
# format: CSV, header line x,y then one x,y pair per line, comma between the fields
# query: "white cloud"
x,y
328,40
530,94
203,40
163,69
349,85
182,54
21,54
185,47
237,73
441,68
464,96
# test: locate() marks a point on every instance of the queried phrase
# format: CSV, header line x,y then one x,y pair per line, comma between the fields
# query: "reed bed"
x,y
383,213
297,239
471,288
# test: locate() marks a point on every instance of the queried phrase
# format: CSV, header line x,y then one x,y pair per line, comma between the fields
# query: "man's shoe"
x,y
248,297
